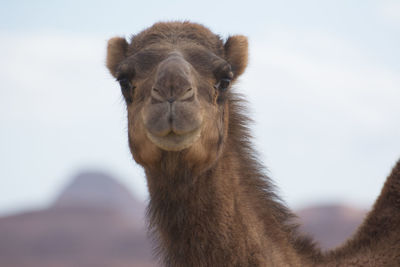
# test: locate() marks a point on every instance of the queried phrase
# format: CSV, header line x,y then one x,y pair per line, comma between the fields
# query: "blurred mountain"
x,y
96,222
330,225
93,189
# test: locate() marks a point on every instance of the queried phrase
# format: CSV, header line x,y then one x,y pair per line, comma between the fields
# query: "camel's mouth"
x,y
173,141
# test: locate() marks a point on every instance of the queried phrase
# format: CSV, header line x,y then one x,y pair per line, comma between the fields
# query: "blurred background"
x,y
323,85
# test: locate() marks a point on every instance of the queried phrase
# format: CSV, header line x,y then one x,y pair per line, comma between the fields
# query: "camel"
x,y
211,203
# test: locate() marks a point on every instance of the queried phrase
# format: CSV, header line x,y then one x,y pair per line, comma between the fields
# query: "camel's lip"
x,y
173,141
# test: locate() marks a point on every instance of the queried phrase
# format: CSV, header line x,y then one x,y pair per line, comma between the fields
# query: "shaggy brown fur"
x,y
210,202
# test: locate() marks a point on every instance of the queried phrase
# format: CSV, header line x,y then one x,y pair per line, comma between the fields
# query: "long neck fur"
x,y
227,216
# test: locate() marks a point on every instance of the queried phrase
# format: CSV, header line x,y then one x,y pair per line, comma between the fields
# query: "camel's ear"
x,y
116,52
236,51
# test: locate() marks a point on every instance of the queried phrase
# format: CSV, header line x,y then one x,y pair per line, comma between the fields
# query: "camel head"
x,y
176,78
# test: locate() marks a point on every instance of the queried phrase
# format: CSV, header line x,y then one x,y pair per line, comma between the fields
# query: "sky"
x,y
323,85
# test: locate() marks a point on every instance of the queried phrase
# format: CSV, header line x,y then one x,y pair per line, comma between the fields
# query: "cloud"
x,y
390,11
310,68
51,78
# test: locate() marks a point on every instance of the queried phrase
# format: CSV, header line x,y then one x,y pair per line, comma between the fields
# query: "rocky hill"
x,y
94,189
95,221
330,225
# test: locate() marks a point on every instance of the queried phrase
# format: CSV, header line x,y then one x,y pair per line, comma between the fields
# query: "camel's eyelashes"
x,y
223,84
126,88
124,83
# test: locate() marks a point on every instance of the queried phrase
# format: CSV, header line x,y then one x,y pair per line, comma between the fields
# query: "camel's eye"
x,y
223,84
125,84
126,88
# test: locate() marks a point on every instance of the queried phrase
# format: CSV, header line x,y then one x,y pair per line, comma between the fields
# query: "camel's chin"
x,y
175,142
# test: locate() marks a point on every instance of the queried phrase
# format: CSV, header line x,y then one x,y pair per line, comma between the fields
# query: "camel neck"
x,y
217,218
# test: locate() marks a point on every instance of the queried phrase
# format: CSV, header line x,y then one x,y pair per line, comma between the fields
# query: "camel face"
x,y
175,78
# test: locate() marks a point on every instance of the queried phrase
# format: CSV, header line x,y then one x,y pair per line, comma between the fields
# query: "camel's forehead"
x,y
169,34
